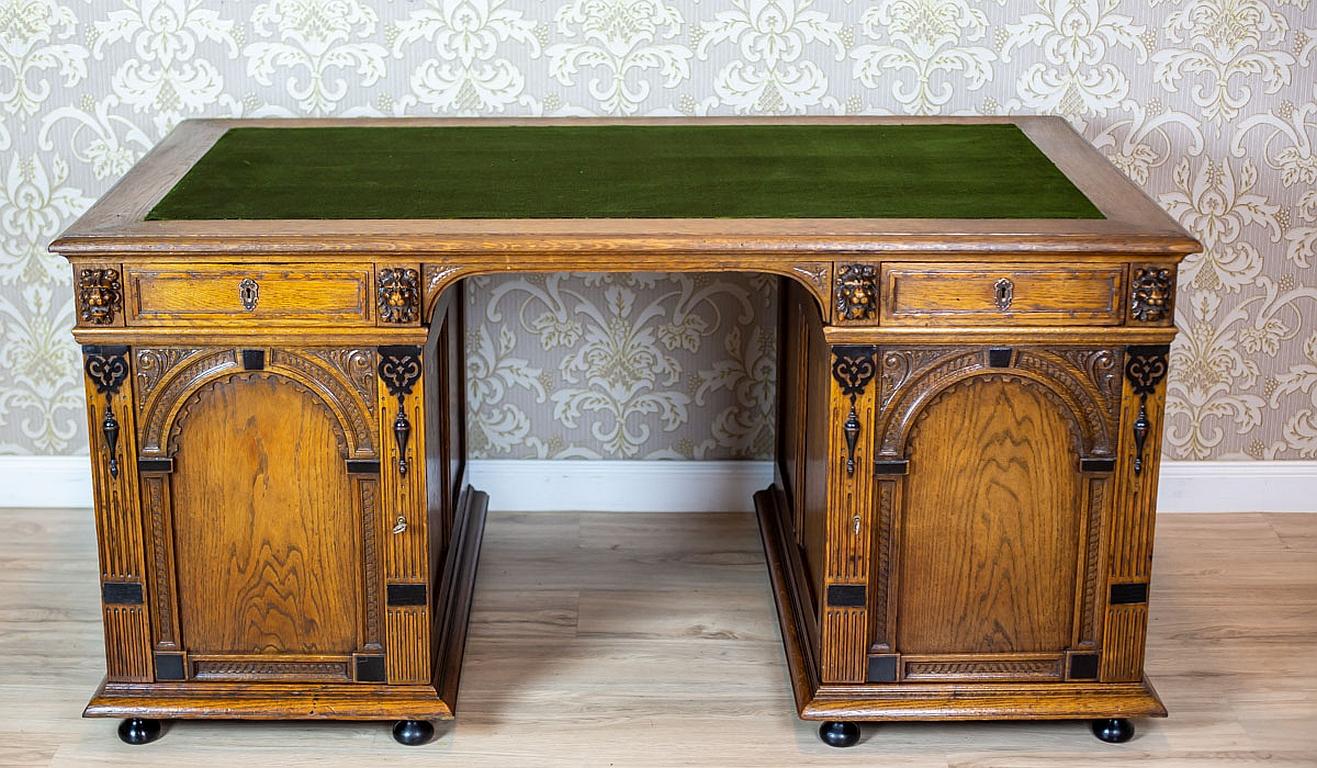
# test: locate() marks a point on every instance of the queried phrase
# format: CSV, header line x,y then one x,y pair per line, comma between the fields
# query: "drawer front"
x,y
1001,294
305,294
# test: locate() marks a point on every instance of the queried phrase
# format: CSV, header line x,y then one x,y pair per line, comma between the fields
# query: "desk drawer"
x,y
181,294
1001,294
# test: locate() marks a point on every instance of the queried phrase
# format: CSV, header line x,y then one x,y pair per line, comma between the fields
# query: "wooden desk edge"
x,y
116,222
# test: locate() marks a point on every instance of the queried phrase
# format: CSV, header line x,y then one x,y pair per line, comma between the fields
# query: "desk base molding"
x,y
246,701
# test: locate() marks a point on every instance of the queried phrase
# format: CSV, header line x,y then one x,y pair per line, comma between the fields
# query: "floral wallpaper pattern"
x,y
1209,105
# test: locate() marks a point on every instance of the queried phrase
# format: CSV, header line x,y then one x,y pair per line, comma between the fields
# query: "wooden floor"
x,y
650,640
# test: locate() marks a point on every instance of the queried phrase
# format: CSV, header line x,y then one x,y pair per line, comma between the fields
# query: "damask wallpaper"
x,y
1210,105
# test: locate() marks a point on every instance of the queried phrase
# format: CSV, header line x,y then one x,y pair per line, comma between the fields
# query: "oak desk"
x,y
974,323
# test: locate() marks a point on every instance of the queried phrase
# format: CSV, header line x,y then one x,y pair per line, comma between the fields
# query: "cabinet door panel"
x,y
267,536
991,523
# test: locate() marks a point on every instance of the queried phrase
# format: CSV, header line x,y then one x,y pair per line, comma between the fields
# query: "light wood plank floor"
x,y
650,640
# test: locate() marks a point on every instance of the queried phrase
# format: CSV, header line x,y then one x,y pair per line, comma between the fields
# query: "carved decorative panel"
x,y
399,296
172,387
100,295
275,671
983,669
1092,565
857,292
1083,380
881,580
337,388
153,363
1152,294
356,366
369,492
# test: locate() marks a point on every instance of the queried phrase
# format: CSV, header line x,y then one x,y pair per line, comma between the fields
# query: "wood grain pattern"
x,y
960,505
845,634
977,485
1123,641
167,294
127,643
407,642
966,294
291,584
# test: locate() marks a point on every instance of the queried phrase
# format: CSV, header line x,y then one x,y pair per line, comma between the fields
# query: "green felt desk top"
x,y
980,171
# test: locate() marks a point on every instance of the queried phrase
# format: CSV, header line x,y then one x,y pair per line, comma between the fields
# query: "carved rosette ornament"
x,y
857,292
1145,367
399,298
853,366
1151,293
107,368
100,295
400,369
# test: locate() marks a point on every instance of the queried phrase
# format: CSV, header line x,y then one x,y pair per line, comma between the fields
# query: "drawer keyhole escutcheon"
x,y
249,292
1005,293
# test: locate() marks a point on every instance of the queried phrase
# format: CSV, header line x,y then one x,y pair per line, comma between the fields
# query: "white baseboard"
x,y
1238,486
621,486
45,481
706,486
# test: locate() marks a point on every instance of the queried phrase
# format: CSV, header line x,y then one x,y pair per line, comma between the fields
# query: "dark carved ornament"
x,y
1152,291
1145,368
399,295
853,366
107,368
400,369
857,292
100,295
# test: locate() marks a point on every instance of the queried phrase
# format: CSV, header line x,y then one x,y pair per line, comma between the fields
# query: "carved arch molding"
x,y
1084,384
815,276
171,381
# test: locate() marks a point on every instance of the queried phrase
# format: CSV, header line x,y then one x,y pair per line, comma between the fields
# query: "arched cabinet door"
x,y
262,525
989,530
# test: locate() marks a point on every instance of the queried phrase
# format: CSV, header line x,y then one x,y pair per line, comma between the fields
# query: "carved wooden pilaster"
x,y
845,621
402,510
1133,516
124,586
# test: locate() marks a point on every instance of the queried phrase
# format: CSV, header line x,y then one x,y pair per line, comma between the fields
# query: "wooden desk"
x,y
969,424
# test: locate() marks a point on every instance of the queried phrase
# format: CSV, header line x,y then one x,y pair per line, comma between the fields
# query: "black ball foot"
x,y
413,733
839,734
138,731
1113,730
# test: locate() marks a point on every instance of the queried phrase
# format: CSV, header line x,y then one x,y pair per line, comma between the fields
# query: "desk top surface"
x,y
666,185
878,171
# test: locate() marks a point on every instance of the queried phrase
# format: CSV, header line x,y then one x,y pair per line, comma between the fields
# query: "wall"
x,y
1210,105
